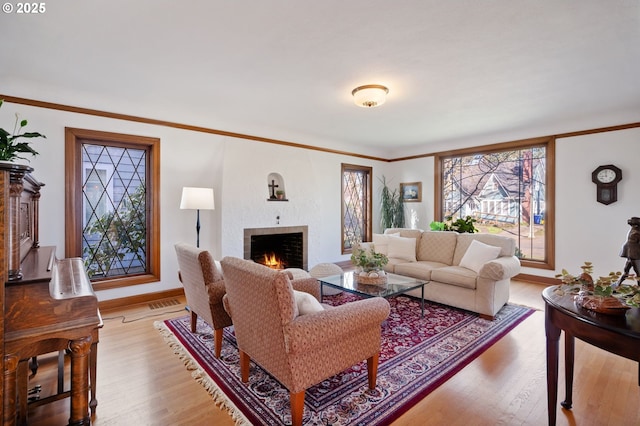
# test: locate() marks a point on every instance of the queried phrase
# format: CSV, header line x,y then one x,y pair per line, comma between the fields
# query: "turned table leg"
x,y
553,344
93,362
10,391
569,351
80,350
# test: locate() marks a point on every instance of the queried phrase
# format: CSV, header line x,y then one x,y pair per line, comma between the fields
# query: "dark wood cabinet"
x,y
48,304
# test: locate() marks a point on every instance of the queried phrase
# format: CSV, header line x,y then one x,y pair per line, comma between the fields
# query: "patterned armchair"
x,y
298,350
203,288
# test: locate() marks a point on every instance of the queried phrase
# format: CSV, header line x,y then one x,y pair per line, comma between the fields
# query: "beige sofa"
x,y
480,284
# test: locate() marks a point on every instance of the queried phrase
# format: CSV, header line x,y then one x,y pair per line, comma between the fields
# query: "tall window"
x,y
112,217
356,205
508,190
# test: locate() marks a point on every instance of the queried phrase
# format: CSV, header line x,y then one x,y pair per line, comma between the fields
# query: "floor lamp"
x,y
197,199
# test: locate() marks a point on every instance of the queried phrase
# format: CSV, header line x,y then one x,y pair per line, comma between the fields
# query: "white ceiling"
x,y
459,71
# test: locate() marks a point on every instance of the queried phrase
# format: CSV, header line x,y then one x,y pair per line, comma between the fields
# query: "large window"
x,y
508,189
112,213
356,205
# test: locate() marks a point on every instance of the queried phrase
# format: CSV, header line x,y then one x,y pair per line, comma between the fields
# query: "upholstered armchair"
x,y
204,289
298,350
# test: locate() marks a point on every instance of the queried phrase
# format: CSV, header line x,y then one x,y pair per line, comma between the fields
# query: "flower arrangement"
x,y
603,286
367,258
603,294
369,265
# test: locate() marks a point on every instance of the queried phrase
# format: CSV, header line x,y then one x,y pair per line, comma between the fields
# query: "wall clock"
x,y
606,179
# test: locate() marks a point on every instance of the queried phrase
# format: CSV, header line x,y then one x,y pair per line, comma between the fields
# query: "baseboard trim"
x,y
140,299
536,279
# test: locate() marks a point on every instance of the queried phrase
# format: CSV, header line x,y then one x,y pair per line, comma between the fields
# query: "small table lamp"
x,y
197,199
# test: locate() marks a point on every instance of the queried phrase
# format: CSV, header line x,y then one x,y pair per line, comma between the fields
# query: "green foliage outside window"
x,y
115,242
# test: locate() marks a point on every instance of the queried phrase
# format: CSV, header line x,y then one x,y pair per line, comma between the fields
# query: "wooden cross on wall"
x,y
273,187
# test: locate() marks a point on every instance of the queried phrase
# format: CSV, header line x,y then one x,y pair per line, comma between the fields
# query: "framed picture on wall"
x,y
411,192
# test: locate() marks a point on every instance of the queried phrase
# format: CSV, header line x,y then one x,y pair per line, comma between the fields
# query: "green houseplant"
x,y
391,206
10,148
459,225
367,259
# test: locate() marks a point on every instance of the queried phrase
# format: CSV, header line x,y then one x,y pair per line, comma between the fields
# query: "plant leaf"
x,y
30,135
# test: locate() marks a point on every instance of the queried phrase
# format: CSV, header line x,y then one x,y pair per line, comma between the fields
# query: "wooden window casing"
x,y
549,215
364,204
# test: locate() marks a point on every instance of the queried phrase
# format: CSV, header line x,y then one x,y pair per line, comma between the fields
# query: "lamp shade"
x,y
197,198
369,96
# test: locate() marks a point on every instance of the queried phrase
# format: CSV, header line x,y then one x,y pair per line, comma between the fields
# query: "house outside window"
x,y
508,190
356,205
112,215
96,184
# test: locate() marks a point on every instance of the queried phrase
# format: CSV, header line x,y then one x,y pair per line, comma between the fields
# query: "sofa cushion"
x,y
437,246
402,248
420,269
404,232
455,275
391,266
307,304
478,254
381,242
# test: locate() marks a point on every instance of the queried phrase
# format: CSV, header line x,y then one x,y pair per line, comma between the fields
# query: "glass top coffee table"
x,y
395,285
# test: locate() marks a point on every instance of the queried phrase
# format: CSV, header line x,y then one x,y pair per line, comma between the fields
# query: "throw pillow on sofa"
x,y
402,248
478,254
381,242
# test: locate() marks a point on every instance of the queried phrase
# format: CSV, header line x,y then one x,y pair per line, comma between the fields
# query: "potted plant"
x,y
367,259
280,194
459,225
10,148
369,265
391,206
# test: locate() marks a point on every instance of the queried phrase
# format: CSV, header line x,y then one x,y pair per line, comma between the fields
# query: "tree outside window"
x,y
114,199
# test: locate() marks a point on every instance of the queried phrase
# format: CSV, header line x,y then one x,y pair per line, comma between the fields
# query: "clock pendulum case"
x,y
606,179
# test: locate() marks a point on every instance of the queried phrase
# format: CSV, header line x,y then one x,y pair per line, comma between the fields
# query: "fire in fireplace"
x,y
273,261
277,247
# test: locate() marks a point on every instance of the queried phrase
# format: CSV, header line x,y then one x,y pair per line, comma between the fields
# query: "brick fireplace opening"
x,y
277,247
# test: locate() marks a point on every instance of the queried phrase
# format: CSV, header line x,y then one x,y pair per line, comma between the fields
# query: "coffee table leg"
x,y
321,286
422,301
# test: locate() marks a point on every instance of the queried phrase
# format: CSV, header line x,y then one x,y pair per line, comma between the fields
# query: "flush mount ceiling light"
x,y
370,95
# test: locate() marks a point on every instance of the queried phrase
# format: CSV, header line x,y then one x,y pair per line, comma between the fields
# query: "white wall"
x,y
237,170
312,182
585,229
417,214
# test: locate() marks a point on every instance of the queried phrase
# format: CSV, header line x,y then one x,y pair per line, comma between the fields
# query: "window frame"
x,y
74,214
368,191
549,144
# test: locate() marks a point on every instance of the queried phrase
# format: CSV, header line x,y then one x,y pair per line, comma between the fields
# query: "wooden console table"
x,y
617,334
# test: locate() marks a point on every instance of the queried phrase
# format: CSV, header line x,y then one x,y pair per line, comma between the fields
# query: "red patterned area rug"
x,y
418,354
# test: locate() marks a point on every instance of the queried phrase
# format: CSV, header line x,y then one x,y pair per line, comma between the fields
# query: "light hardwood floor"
x,y
141,381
